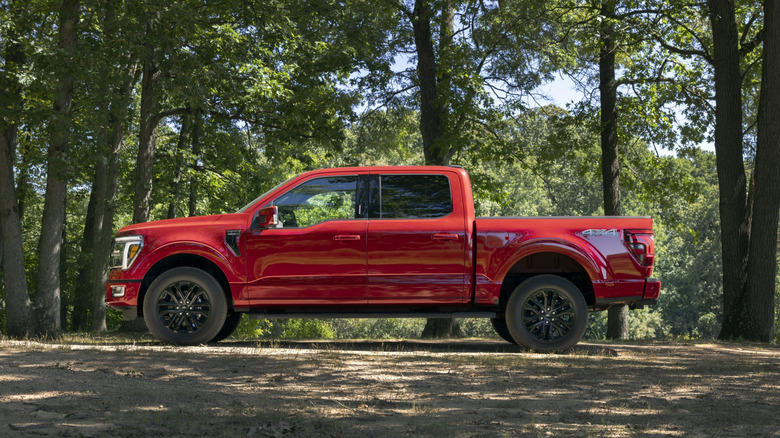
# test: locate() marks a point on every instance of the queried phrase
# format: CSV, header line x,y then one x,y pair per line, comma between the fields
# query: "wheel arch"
x,y
185,260
557,260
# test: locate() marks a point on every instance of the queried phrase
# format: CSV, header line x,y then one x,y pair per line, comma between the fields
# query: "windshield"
x,y
254,201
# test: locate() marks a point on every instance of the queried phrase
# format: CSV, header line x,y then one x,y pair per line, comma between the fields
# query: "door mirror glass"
x,y
267,217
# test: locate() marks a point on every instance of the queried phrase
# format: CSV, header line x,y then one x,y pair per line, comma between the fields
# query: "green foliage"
x,y
350,328
252,93
386,328
250,328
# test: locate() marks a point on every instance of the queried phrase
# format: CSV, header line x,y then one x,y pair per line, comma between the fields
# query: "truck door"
x,y
317,254
416,240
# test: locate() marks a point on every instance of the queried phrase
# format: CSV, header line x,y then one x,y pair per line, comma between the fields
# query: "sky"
x,y
563,91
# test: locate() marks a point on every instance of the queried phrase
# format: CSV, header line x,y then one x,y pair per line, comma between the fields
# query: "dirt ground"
x,y
391,388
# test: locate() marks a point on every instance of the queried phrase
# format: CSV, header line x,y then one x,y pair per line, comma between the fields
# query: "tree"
x,y
18,305
757,306
728,52
474,63
617,327
47,297
150,83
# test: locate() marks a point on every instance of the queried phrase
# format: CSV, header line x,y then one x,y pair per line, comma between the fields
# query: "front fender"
x,y
221,257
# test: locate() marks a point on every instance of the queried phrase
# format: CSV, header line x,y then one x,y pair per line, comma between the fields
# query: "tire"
x,y
185,306
231,323
499,325
547,313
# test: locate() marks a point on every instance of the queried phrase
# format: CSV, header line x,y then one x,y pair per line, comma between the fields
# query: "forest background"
x,y
117,112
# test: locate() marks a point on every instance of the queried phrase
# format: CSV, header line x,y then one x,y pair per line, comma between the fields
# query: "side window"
x,y
318,200
414,196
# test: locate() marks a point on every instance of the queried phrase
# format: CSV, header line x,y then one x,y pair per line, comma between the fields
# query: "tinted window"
x,y
414,196
318,200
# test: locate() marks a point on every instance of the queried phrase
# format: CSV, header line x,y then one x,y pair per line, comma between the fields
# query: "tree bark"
x,y
144,170
19,317
732,181
176,182
47,297
617,319
434,109
758,322
82,295
107,173
431,118
104,226
192,202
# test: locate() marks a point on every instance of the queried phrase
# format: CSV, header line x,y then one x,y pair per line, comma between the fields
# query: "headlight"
x,y
126,249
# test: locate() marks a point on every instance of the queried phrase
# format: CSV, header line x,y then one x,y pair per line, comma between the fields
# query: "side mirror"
x,y
267,217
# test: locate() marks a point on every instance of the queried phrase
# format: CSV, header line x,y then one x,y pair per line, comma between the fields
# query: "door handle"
x,y
347,237
445,236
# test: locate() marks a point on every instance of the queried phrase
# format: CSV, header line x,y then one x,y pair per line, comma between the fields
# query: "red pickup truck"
x,y
380,242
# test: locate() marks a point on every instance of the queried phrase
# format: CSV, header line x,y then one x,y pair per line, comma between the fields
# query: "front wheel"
x,y
231,324
185,306
547,313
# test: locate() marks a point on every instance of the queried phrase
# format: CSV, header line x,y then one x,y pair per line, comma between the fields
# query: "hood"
x,y
237,220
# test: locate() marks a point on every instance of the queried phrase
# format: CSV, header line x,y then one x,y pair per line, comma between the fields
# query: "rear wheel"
x,y
547,313
185,306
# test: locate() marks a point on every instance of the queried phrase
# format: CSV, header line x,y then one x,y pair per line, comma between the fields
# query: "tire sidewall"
x,y
499,325
212,289
514,313
230,326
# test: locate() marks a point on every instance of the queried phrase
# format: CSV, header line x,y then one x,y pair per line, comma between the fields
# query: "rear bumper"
x,y
652,290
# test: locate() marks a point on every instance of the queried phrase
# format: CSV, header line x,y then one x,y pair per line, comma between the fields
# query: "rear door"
x,y
416,240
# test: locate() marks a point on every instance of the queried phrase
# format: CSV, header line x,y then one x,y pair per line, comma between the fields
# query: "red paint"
x,y
364,261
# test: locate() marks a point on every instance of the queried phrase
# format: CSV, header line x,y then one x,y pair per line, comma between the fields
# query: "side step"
x,y
307,315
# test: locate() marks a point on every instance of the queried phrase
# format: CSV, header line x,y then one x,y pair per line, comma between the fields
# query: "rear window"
x,y
414,196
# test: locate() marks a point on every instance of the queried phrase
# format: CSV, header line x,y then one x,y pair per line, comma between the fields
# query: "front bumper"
x,y
122,294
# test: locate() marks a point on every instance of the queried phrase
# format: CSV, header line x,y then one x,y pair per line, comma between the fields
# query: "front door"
x,y
317,254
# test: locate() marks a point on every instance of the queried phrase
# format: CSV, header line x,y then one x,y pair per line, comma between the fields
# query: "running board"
x,y
307,315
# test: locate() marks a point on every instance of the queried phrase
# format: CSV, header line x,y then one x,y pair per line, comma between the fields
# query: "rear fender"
x,y
589,260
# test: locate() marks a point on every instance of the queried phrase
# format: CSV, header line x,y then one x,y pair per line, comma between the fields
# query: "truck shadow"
x,y
433,346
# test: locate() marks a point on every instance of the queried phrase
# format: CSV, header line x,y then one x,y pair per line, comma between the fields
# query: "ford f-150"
x,y
380,242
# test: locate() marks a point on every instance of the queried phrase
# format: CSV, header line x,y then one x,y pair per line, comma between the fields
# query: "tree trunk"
x,y
104,227
47,297
104,230
434,109
23,188
617,319
431,118
192,203
757,323
82,295
144,170
732,182
176,182
19,317
107,174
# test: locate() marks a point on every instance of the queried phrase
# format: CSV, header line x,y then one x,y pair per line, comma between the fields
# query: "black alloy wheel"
x,y
185,306
547,313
